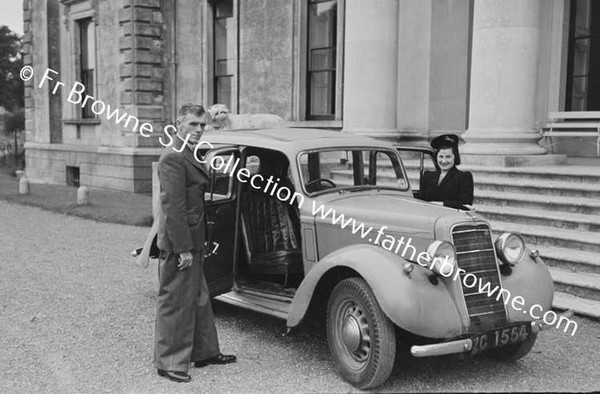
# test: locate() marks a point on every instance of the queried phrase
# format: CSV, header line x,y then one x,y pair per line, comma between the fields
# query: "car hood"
x,y
400,213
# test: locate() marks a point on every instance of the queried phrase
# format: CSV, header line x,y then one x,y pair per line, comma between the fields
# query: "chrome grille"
x,y
475,255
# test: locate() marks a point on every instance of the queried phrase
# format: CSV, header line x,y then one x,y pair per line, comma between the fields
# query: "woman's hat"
x,y
445,141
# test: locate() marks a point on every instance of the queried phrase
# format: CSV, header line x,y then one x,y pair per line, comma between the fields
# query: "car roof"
x,y
292,139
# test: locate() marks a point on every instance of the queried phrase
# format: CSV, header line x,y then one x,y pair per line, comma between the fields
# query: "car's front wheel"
x,y
361,338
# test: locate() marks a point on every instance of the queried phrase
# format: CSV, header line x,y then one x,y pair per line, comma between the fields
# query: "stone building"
x,y
491,70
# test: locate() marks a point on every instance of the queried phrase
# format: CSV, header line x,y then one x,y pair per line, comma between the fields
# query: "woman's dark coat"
x,y
456,189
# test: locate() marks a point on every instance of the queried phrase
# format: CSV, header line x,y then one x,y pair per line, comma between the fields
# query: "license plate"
x,y
501,337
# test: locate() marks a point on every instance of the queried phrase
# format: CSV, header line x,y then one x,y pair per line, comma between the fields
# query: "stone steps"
x,y
584,285
570,174
496,183
582,306
573,174
548,236
581,205
532,186
555,219
569,259
557,210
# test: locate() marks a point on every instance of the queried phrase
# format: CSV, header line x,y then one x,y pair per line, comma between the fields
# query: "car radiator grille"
x,y
475,254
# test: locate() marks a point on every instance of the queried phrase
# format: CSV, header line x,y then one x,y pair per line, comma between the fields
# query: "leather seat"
x,y
272,236
271,227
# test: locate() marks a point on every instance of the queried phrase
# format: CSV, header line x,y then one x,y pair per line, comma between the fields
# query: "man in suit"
x,y
447,185
185,328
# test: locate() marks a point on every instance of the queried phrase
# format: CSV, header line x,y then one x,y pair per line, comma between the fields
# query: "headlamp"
x,y
510,248
443,257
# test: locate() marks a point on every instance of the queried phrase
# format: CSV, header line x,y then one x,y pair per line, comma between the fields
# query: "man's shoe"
x,y
218,359
176,376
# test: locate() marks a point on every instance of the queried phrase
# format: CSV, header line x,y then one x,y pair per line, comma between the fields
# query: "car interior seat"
x,y
270,227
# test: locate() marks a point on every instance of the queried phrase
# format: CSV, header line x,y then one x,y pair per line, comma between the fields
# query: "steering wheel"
x,y
322,184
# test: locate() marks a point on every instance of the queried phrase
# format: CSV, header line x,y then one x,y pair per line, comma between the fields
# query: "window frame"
x,y
300,110
589,98
75,11
79,24
210,58
330,71
392,154
211,172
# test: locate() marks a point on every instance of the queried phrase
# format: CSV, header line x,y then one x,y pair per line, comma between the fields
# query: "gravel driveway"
x,y
76,315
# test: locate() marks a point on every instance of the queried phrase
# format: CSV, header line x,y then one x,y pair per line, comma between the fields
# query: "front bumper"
x,y
466,345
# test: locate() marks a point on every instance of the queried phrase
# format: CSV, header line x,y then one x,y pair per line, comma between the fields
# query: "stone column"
x,y
503,79
414,68
142,71
371,67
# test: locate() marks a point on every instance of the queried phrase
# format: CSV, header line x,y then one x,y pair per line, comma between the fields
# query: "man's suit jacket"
x,y
183,181
455,191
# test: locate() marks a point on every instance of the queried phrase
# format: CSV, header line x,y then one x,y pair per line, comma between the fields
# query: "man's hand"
x,y
185,260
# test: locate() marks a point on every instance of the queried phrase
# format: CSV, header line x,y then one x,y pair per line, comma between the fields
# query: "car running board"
x,y
273,306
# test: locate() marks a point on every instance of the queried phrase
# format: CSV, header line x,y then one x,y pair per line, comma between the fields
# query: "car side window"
x,y
345,169
221,181
416,162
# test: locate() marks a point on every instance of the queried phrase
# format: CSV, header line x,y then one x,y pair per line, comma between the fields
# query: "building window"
x,y
583,69
87,61
72,176
224,52
321,59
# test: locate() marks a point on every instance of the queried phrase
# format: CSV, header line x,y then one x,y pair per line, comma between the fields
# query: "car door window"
x,y
416,161
329,170
220,170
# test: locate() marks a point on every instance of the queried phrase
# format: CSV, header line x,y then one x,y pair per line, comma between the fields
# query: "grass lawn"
x,y
105,205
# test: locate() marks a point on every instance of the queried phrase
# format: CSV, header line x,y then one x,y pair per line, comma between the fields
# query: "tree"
x,y
14,123
11,85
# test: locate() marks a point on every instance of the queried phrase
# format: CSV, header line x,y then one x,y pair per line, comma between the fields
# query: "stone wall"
x,y
27,60
265,57
129,74
142,68
109,170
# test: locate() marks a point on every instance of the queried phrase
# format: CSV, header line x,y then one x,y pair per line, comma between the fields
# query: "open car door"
x,y
416,161
220,210
220,204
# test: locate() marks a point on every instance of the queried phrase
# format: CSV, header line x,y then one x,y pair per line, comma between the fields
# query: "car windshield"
x,y
351,169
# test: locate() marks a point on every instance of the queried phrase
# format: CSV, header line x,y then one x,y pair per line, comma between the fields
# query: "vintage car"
x,y
278,253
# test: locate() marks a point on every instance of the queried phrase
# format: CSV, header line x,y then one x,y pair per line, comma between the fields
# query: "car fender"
x,y
410,300
519,283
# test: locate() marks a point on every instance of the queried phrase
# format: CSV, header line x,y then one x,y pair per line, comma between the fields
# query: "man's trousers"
x,y
185,327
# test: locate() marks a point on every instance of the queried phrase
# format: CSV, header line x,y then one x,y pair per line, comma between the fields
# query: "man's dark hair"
x,y
190,108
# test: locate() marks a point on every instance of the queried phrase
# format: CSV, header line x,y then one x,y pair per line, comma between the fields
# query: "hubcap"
x,y
355,334
351,333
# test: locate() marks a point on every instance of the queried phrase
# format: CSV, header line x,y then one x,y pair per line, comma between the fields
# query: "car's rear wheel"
x,y
361,338
513,352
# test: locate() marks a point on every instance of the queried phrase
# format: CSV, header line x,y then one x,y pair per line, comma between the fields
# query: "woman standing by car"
x,y
447,185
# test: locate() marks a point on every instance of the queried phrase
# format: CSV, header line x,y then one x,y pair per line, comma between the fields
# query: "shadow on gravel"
x,y
304,342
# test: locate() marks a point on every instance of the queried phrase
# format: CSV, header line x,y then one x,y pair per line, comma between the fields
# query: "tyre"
x,y
513,352
361,338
